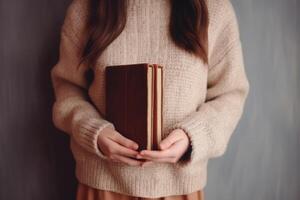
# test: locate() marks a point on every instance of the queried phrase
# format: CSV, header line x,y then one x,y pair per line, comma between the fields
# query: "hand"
x,y
117,147
171,148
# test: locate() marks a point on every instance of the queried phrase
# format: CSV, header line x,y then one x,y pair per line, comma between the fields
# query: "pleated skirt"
x,y
84,192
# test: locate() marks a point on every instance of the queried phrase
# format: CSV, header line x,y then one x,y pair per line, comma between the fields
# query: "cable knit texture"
x,y
205,100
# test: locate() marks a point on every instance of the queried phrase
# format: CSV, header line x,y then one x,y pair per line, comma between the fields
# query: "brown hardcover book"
x,y
134,102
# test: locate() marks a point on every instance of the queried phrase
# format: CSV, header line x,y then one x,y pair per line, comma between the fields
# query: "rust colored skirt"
x,y
84,192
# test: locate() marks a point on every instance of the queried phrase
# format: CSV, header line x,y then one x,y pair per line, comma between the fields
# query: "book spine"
x,y
154,136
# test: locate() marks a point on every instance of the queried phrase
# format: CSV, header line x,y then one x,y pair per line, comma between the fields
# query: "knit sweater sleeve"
x,y
211,125
73,112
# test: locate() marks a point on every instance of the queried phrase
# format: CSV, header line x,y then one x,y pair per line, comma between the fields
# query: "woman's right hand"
x,y
118,148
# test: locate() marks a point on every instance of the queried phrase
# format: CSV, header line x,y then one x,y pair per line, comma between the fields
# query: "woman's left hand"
x,y
171,149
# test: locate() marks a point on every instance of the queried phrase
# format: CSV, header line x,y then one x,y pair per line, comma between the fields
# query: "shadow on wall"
x,y
35,158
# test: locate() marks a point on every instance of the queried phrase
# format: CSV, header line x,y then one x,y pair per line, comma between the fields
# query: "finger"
x,y
125,141
169,140
158,153
124,151
127,160
163,159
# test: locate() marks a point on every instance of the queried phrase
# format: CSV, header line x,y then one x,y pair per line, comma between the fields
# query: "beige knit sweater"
x,y
206,101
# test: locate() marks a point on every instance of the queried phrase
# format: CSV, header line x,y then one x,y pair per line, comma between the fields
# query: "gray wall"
x,y
35,160
262,159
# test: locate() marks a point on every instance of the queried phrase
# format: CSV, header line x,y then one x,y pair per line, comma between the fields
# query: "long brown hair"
x,y
188,26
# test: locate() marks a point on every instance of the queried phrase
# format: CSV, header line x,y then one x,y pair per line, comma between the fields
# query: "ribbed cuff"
x,y
198,133
86,134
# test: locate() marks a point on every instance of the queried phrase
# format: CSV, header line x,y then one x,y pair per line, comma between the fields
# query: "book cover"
x,y
134,99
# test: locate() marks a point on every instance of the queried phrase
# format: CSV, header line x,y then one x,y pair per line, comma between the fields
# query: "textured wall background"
x,y
262,159
35,160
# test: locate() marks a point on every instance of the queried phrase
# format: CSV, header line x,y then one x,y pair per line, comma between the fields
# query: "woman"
x,y
205,88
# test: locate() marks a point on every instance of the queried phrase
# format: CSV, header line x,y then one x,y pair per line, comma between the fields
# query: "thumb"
x,y
168,141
